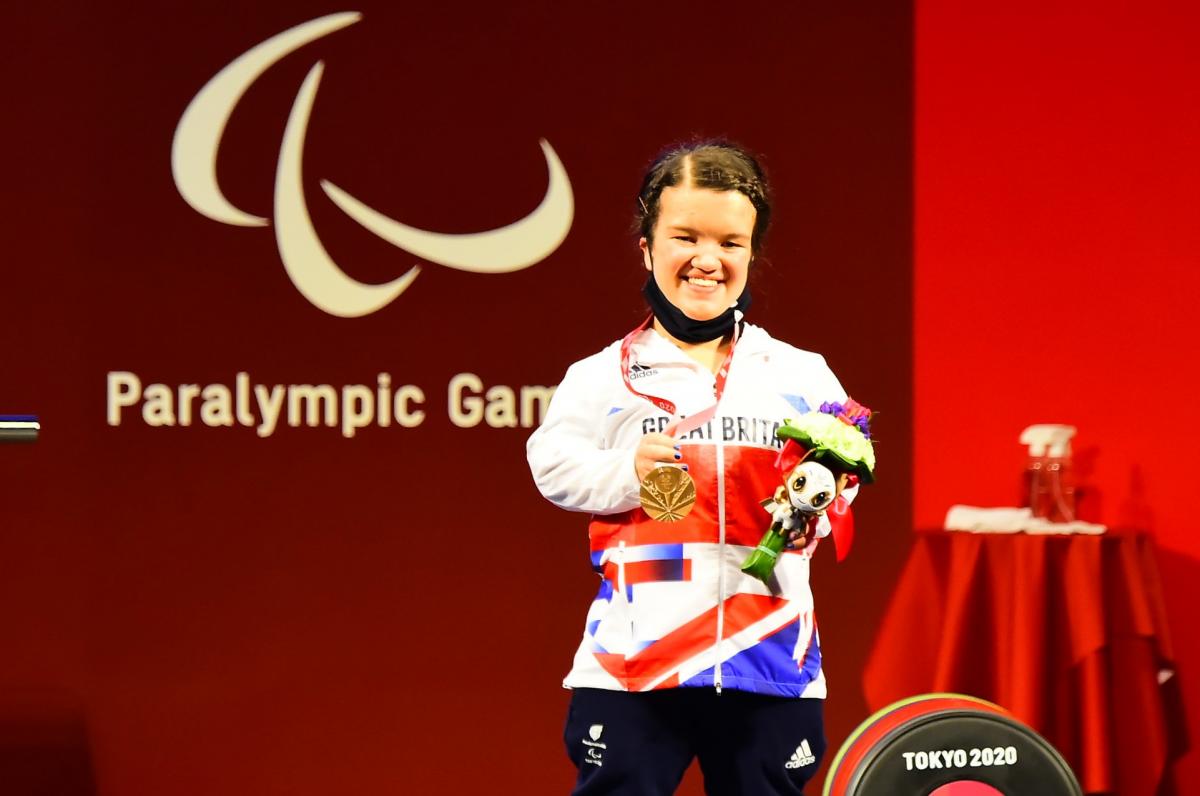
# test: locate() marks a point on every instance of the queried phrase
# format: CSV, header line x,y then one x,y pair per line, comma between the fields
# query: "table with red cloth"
x,y
1068,632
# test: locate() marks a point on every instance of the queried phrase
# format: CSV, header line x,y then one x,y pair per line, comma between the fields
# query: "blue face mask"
x,y
690,330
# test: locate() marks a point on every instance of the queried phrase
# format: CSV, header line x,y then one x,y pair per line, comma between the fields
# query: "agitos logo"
x,y
311,269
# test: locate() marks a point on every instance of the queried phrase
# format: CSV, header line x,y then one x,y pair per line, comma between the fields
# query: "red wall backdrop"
x,y
1056,266
195,610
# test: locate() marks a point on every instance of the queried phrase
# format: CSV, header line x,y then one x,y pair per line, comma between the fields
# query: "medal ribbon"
x,y
679,425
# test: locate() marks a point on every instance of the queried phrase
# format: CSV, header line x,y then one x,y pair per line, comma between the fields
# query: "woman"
x,y
683,654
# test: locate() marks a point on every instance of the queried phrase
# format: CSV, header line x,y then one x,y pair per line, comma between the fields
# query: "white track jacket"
x,y
674,608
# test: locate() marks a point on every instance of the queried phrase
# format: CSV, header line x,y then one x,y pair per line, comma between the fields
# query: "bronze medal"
x,y
668,493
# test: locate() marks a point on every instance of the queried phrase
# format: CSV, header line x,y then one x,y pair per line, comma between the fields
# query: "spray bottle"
x,y
1049,482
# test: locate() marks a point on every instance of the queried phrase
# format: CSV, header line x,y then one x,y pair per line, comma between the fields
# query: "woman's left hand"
x,y
798,534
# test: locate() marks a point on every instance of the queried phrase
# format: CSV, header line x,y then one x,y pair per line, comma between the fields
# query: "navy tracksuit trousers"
x,y
640,744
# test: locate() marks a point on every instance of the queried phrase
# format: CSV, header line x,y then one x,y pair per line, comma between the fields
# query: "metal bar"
x,y
19,428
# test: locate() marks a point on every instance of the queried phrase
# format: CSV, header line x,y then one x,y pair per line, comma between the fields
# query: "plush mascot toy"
x,y
824,452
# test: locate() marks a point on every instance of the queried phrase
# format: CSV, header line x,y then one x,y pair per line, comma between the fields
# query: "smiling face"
x,y
701,248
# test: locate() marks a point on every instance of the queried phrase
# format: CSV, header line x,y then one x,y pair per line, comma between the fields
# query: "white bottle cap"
x,y
1048,439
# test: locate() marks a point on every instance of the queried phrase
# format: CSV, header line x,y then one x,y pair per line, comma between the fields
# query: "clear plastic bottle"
x,y
1049,477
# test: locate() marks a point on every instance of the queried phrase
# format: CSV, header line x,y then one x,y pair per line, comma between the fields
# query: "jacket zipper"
x,y
720,561
621,568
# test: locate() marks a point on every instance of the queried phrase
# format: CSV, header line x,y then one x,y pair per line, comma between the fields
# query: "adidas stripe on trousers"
x,y
640,744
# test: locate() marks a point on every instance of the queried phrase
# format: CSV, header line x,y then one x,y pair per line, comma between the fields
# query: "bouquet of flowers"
x,y
823,452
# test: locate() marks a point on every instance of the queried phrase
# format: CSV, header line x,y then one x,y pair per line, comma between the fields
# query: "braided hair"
x,y
716,165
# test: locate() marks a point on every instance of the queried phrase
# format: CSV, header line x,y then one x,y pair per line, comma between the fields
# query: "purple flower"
x,y
859,418
832,408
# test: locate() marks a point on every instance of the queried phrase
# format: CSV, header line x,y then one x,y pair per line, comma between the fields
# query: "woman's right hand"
x,y
652,449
